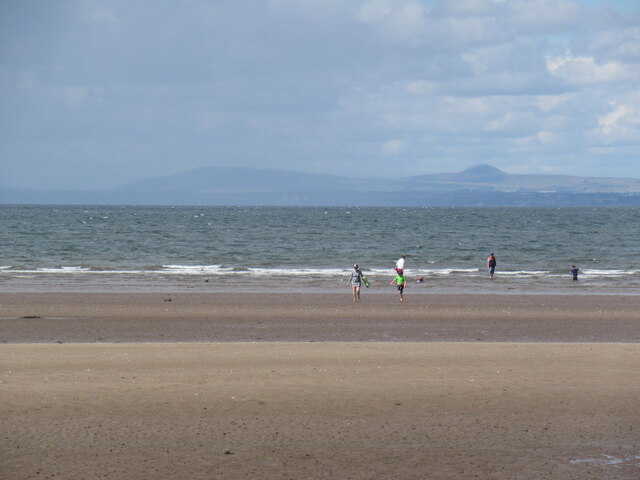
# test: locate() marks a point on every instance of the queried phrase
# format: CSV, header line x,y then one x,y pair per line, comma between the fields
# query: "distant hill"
x,y
486,177
479,185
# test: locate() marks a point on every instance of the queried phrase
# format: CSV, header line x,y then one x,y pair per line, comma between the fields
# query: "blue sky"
x,y
94,93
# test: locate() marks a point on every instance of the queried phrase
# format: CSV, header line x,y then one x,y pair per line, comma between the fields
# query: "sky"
x,y
98,93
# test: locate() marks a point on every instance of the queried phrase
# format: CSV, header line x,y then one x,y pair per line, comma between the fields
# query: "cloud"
x,y
549,137
611,120
549,103
620,125
318,86
468,7
543,16
622,42
392,148
584,70
400,21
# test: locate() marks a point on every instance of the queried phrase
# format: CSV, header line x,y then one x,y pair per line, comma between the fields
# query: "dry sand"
x,y
495,409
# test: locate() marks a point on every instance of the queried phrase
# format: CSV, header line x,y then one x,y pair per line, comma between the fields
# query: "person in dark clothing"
x,y
574,272
491,265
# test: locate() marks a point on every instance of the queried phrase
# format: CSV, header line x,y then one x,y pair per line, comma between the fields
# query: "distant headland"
x,y
481,185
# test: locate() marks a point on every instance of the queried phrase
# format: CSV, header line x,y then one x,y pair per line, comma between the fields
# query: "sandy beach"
x,y
134,386
222,317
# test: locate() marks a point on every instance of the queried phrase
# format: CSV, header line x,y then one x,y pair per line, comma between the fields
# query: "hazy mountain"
x,y
229,179
479,185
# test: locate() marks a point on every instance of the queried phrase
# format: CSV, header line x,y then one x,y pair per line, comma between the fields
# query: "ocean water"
x,y
98,248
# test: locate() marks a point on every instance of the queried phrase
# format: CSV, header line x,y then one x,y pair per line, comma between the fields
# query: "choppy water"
x,y
97,248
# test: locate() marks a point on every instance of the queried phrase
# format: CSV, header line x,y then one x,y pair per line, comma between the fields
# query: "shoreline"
x,y
501,285
314,290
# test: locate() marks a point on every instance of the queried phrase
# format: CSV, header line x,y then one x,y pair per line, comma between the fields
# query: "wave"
x,y
324,272
221,270
531,273
194,270
609,273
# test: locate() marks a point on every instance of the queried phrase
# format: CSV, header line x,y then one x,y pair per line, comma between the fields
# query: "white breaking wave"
x,y
609,273
422,272
76,271
528,273
323,272
70,270
220,270
195,270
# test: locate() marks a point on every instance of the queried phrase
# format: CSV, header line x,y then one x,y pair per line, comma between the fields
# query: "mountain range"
x,y
479,185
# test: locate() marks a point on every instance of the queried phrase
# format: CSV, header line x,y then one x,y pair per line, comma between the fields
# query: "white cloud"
x,y
391,148
584,70
331,82
476,61
400,21
547,137
549,103
611,120
501,123
622,124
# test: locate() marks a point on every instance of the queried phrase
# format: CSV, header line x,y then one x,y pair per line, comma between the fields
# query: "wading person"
x,y
491,265
574,272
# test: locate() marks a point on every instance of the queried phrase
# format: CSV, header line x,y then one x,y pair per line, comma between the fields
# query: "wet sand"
x,y
198,317
543,387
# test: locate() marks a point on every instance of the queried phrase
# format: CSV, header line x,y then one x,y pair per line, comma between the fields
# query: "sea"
x,y
313,249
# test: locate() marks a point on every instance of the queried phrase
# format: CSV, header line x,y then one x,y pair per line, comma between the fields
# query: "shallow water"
x,y
96,247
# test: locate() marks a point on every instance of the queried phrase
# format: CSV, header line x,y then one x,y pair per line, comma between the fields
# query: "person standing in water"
x,y
356,282
400,282
400,265
574,272
491,265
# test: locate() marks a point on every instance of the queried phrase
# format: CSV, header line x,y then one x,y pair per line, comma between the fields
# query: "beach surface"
x,y
174,386
222,317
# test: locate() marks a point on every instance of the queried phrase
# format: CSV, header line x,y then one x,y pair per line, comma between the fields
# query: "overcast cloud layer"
x,y
97,93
